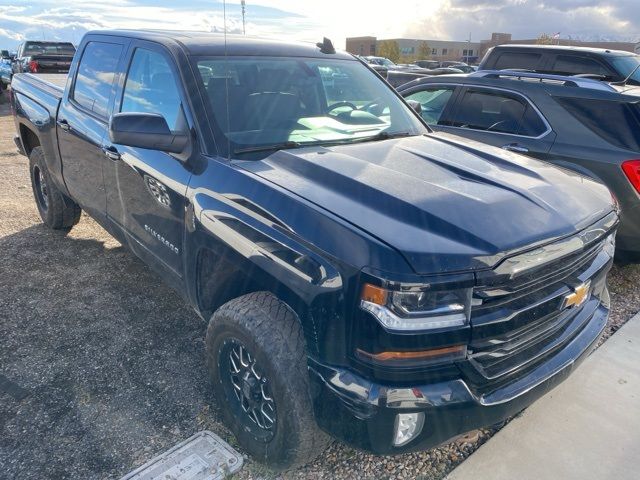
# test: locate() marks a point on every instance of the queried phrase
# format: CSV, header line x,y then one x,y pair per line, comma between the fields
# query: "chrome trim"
x,y
576,81
549,253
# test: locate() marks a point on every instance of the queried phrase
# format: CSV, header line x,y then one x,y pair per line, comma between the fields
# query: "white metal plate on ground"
x,y
205,456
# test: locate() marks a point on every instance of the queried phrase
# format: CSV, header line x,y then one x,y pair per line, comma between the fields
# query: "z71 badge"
x,y
158,191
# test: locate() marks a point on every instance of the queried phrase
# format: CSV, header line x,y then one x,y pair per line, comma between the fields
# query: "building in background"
x,y
411,49
364,46
415,48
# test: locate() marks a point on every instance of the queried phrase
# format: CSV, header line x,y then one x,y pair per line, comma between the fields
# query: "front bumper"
x,y
362,413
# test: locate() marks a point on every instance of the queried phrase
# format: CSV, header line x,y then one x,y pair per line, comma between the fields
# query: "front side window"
x,y
261,101
96,72
433,102
628,66
574,65
497,112
151,87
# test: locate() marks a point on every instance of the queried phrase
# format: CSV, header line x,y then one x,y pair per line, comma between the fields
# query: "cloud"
x,y
312,19
586,19
48,20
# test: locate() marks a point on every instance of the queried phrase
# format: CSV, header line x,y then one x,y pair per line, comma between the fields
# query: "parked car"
x,y
6,72
464,68
381,69
580,124
397,78
359,275
44,57
596,63
390,66
446,71
428,64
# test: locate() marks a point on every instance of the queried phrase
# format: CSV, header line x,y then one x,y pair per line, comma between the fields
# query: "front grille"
x,y
524,320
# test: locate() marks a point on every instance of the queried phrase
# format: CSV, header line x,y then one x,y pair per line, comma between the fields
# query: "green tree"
x,y
424,50
389,49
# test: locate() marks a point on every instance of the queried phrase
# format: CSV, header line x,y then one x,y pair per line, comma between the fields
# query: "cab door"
x,y
83,118
146,188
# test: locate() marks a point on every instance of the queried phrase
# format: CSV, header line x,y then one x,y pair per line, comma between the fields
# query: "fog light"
x,y
407,427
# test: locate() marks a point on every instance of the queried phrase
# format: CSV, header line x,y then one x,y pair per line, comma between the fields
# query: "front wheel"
x,y
257,359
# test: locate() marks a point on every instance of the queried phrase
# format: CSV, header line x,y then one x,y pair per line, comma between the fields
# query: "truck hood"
x,y
445,203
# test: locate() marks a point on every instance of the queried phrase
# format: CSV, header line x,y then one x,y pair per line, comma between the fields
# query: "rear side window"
x,y
574,65
433,102
615,122
498,112
95,76
523,61
151,87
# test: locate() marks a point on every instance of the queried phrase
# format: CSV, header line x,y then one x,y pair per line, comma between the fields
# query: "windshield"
x,y
49,48
299,102
627,64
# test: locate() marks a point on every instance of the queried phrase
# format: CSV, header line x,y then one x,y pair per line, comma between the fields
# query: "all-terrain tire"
x,y
271,334
57,210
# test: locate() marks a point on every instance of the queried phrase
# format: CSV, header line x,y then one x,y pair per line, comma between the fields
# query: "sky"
x,y
310,20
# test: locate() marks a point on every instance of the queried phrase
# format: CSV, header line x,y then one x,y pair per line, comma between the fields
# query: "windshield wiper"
x,y
265,148
383,136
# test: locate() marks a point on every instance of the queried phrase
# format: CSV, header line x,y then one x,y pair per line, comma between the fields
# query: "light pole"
x,y
243,3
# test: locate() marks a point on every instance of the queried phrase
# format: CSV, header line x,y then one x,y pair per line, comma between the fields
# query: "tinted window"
x,y
498,112
95,76
48,48
616,122
574,65
628,65
433,102
151,87
524,61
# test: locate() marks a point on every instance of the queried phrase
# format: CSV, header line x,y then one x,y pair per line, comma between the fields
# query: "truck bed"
x,y
52,83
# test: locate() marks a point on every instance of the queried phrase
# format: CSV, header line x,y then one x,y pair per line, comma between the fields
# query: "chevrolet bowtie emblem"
x,y
578,297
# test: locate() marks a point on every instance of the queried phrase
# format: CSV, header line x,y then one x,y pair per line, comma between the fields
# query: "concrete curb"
x,y
587,428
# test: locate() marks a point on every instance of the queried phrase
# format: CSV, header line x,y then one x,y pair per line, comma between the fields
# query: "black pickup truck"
x,y
360,275
44,57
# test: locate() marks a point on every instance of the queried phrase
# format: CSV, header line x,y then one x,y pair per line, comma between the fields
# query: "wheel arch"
x,y
29,139
224,275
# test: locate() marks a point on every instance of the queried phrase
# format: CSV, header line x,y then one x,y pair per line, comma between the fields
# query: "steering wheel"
x,y
332,107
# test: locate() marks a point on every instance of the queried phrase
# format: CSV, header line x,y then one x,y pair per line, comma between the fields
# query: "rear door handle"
x,y
64,125
514,147
111,153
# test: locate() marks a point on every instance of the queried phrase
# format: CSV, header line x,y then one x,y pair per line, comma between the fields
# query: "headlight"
x,y
417,308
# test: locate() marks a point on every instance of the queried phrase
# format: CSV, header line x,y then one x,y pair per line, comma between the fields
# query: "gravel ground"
x,y
106,363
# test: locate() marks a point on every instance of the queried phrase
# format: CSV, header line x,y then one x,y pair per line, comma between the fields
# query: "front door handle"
x,y
514,147
111,153
64,125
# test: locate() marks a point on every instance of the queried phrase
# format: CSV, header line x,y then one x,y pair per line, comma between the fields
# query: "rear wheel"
x,y
56,209
257,359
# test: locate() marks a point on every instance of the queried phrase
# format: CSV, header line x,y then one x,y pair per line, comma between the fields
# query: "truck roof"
x,y
207,43
601,51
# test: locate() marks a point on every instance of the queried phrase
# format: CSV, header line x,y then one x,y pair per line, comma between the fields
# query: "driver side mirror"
x,y
146,130
415,105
